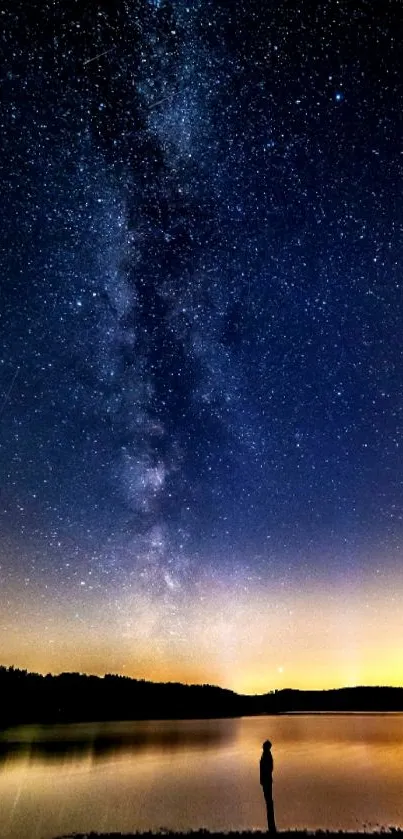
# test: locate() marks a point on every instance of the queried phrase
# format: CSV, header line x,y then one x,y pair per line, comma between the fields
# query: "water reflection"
x,y
330,771
341,727
103,740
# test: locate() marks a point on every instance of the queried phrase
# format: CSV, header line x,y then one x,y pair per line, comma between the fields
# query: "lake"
x,y
330,770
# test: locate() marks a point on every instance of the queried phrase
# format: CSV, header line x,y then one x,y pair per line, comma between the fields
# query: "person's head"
x,y
266,746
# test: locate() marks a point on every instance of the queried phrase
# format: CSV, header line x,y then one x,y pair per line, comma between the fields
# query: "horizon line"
x,y
196,684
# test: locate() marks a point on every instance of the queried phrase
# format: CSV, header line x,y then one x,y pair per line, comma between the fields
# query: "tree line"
x,y
71,697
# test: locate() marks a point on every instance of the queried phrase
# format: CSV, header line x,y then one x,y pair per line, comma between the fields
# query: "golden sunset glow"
x,y
251,639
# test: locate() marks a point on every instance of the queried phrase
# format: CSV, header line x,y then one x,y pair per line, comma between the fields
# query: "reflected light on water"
x,y
101,740
331,771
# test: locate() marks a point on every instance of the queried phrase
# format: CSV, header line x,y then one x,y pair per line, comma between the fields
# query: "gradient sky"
x,y
201,340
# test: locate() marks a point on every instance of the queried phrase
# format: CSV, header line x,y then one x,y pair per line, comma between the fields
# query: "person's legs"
x,y
271,824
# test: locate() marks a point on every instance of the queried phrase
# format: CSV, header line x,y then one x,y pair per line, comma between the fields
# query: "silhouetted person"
x,y
266,780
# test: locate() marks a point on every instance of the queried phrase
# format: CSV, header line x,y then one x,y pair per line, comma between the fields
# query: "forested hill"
x,y
30,697
340,699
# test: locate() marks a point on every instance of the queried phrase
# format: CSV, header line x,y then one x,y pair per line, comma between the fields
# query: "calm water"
x,y
331,771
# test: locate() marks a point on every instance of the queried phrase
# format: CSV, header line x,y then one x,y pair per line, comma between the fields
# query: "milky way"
x,y
201,312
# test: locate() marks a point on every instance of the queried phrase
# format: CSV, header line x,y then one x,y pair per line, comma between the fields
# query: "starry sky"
x,y
201,358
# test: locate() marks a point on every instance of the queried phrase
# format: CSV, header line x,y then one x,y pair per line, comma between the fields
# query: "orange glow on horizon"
x,y
251,641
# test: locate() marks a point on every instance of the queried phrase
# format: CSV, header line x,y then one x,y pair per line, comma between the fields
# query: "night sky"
x,y
201,340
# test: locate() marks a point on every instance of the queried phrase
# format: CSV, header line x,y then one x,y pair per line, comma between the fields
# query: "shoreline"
x,y
239,834
49,723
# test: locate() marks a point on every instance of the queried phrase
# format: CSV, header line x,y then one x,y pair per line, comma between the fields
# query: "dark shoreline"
x,y
78,697
234,834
